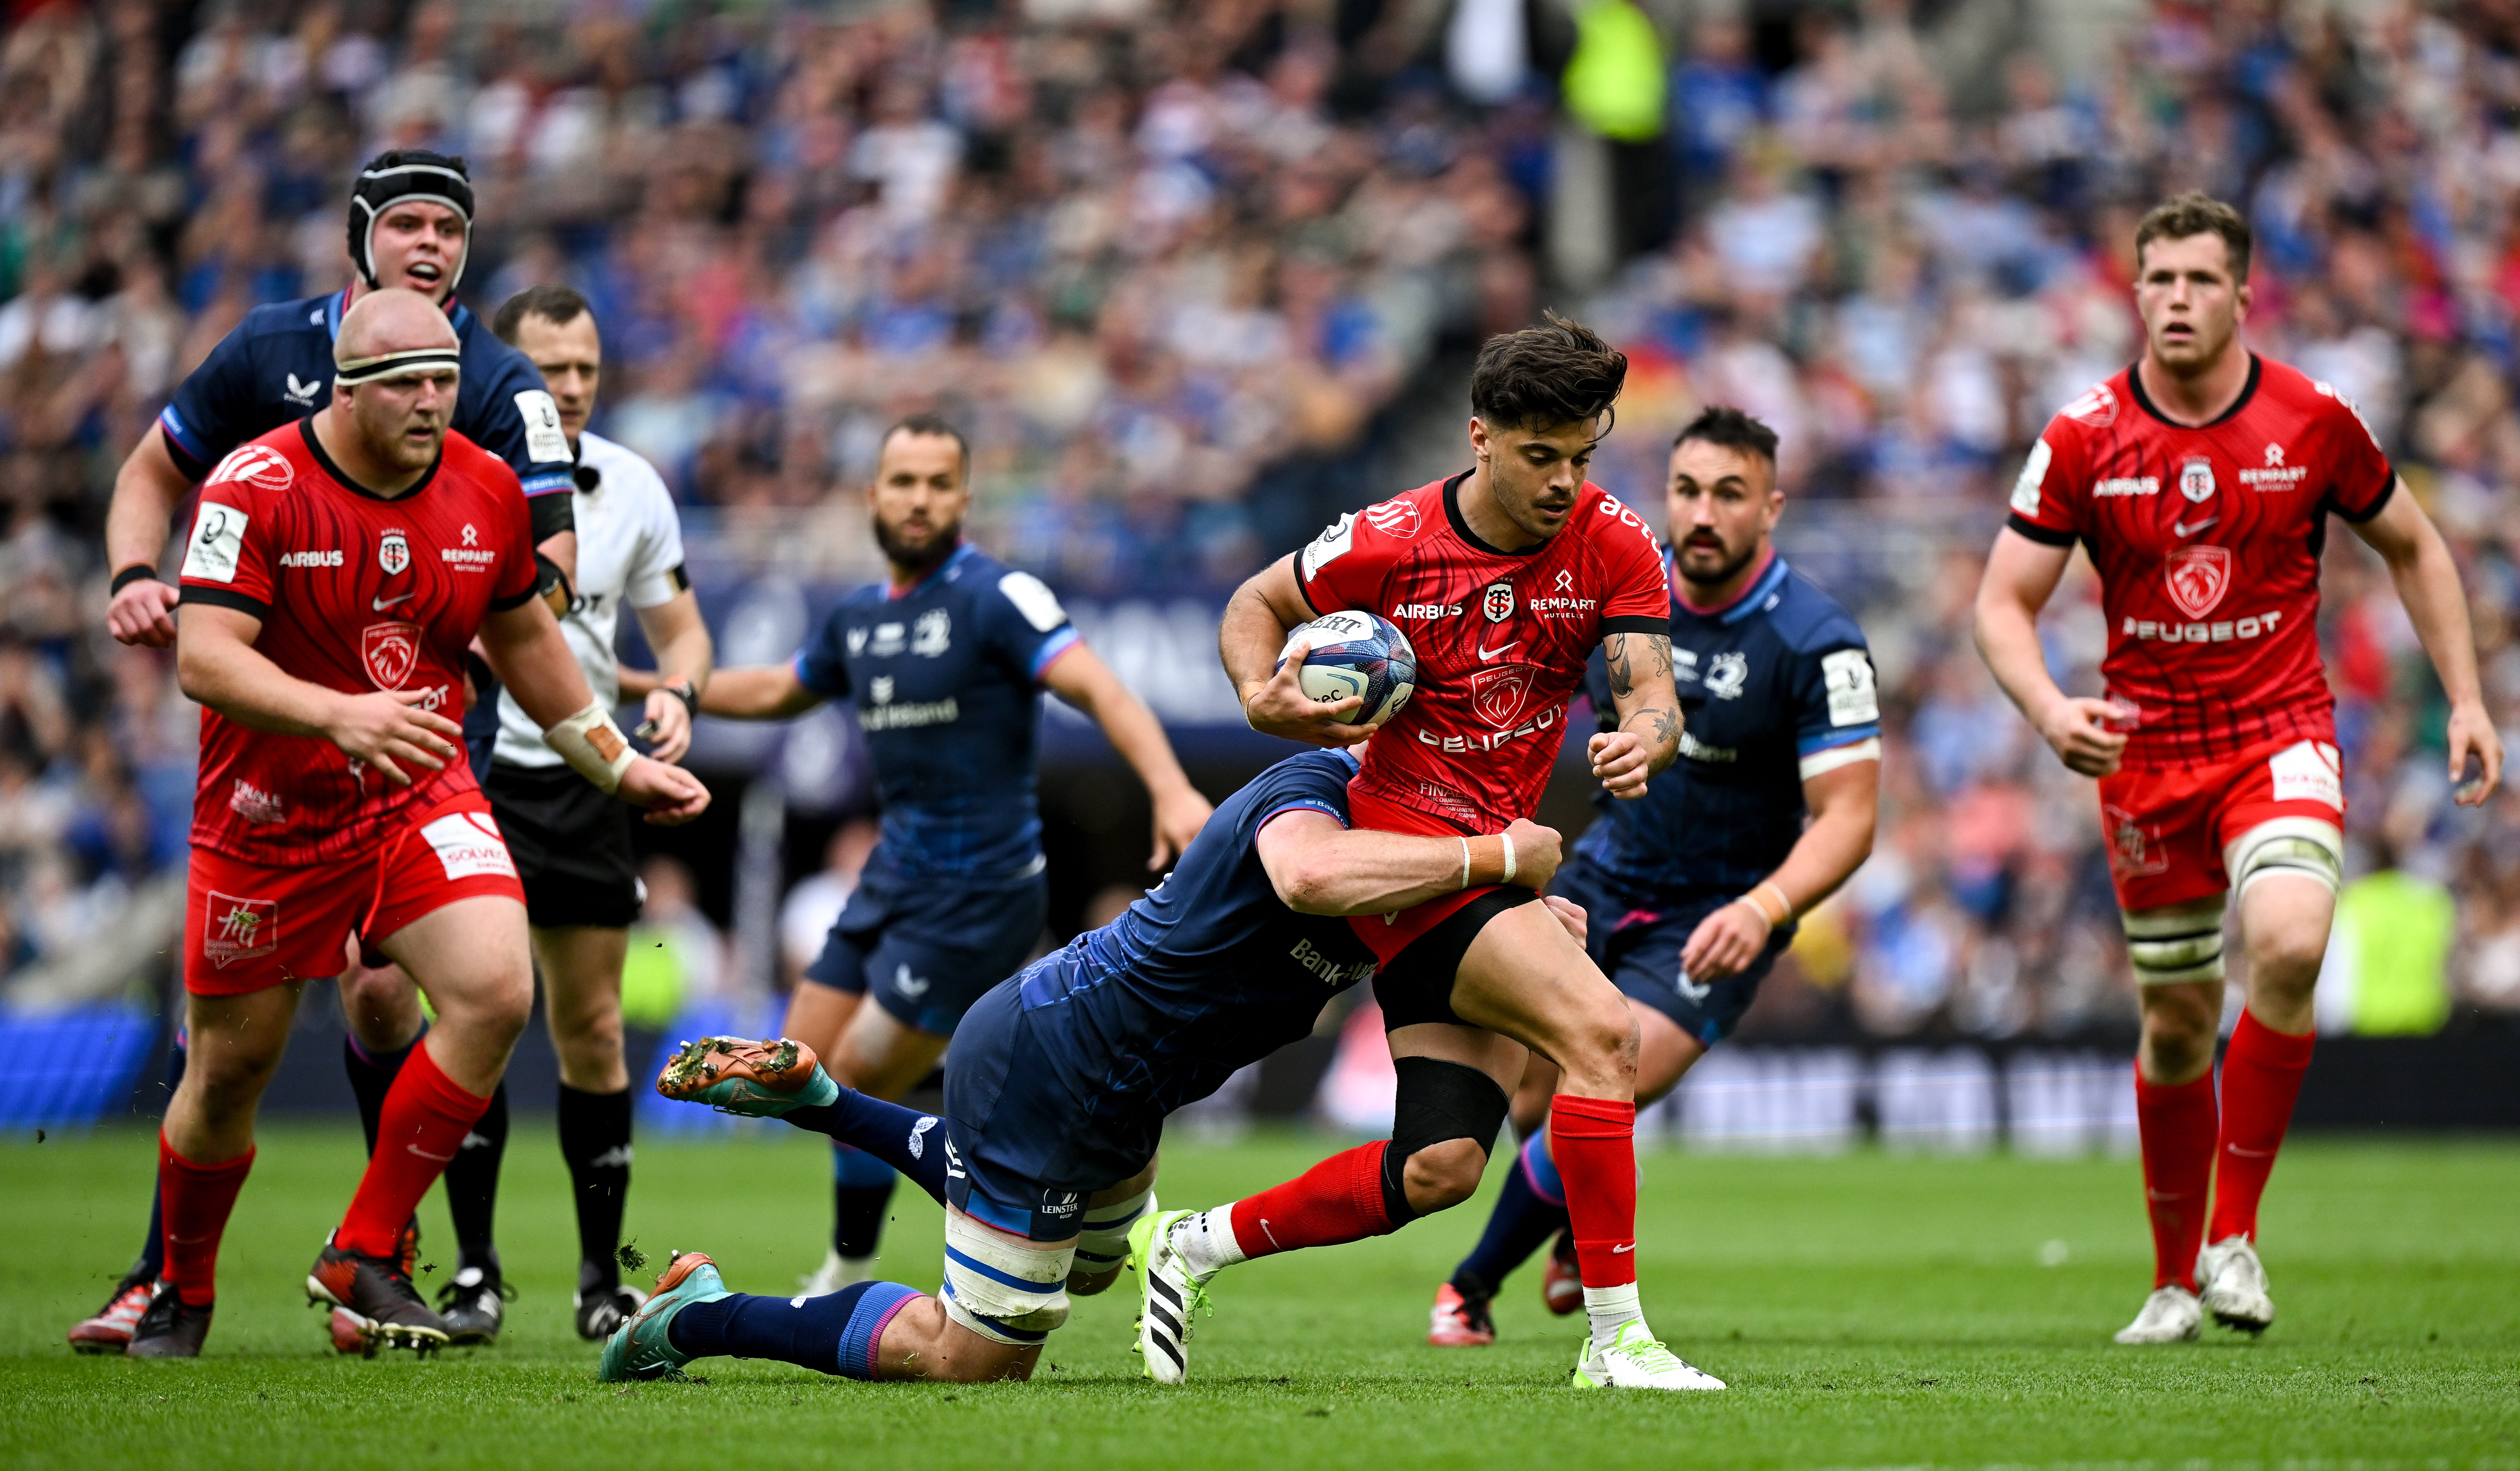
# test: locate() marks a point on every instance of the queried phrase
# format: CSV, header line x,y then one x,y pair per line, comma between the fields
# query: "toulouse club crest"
x,y
393,553
390,651
1496,602
2196,479
2198,576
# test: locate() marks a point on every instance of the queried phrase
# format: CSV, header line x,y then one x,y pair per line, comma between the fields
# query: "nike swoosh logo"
x,y
1616,1250
1487,653
2251,1154
425,1155
2185,529
380,605
1272,1235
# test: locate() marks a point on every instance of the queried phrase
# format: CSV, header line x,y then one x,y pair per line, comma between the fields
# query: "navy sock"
x,y
833,1334
861,1193
1522,1219
372,1074
904,1138
153,1253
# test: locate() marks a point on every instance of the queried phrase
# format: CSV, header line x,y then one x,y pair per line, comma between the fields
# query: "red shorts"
x,y
248,927
2167,830
1387,935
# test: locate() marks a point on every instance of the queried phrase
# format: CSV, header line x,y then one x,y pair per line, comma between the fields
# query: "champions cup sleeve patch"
x,y
2033,474
1331,544
2311,771
216,543
1033,599
545,439
470,846
1853,698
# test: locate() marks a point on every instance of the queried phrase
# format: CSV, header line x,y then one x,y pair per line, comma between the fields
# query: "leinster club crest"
x,y
1498,694
1498,602
393,553
390,651
2198,576
2196,479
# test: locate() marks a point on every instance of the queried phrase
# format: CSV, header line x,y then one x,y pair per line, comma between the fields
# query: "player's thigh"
x,y
471,959
818,1015
581,966
1525,977
1664,1055
235,1041
885,1057
1499,1056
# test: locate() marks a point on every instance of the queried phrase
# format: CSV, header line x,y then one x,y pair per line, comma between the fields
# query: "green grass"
x,y
1868,1309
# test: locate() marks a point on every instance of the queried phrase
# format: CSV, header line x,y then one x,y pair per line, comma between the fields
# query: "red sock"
x,y
424,1121
2261,1078
1339,1199
1593,1141
2177,1122
194,1201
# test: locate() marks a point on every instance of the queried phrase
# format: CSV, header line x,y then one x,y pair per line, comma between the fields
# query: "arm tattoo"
x,y
1666,725
1622,678
1659,646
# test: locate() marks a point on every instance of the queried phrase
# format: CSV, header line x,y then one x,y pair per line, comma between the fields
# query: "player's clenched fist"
x,y
143,612
1622,760
1277,706
2080,731
1536,852
389,728
670,794
1570,914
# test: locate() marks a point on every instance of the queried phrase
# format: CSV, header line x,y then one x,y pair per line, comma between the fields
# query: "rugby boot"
x,y
474,1305
1459,1322
109,1330
643,1347
2170,1316
599,1309
374,1302
171,1328
1561,1281
1637,1360
2232,1285
763,1079
1170,1296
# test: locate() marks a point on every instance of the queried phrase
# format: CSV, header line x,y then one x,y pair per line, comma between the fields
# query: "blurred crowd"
x,y
1188,271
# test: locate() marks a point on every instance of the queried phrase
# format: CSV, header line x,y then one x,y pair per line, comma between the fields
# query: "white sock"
x,y
1206,1241
1611,1309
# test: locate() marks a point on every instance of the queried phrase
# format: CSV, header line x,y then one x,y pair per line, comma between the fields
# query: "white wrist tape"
x,y
1466,864
593,745
1508,840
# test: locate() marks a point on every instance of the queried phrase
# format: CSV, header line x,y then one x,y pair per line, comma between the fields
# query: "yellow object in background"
x,y
1614,83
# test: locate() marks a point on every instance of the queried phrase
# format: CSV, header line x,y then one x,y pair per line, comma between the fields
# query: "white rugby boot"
x,y
2168,1317
1637,1360
2234,1285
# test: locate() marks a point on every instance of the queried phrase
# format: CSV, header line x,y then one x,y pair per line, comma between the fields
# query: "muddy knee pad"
x,y
1436,1102
1000,1287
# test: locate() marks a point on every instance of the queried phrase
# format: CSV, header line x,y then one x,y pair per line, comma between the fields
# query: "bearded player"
x,y
2200,480
333,574
1506,578
410,226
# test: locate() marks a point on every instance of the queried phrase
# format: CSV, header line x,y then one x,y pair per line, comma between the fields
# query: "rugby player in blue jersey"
x,y
1062,1077
1693,892
945,667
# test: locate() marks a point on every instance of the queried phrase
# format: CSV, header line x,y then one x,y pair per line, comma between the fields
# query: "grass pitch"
x,y
1868,1311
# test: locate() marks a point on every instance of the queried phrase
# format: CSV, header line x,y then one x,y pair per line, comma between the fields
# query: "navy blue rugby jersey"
x,y
1208,973
277,367
946,679
1774,688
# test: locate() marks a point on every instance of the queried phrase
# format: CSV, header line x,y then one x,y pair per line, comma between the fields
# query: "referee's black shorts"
x,y
572,844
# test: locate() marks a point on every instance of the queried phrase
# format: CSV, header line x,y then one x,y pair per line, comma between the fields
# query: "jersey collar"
x,y
2144,400
1461,527
1752,598
952,558
341,477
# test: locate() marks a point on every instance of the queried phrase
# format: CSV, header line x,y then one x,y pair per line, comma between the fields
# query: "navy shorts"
x,y
925,948
1025,1150
1635,933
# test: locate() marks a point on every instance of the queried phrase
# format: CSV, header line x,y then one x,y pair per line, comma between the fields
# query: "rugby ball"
x,y
1355,654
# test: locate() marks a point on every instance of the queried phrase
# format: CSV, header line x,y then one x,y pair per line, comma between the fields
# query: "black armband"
x,y
136,572
552,514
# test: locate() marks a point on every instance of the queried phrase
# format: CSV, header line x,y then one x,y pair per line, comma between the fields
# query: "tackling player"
x,y
410,226
1693,892
1059,1081
334,571
1506,578
2200,480
944,668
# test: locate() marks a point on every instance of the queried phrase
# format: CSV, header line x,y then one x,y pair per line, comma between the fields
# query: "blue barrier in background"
x,y
67,1070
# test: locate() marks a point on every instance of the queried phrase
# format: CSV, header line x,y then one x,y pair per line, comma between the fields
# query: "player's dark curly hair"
x,y
1722,423
552,301
921,425
1559,372
2197,213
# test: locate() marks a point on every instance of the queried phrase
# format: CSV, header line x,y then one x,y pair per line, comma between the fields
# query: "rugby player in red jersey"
x,y
335,572
2201,480
1505,577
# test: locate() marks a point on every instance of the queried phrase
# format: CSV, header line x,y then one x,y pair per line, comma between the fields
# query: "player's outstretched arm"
x,y
1845,802
756,692
1077,676
1319,867
2427,579
1647,736
685,653
1254,629
146,491
216,664
2021,575
525,650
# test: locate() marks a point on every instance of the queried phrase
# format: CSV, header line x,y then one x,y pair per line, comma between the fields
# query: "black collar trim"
x,y
1462,527
2144,400
315,446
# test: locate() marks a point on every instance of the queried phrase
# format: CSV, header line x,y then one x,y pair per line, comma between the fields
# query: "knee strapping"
x,y
1001,1287
2303,845
2177,945
1102,1236
1436,1102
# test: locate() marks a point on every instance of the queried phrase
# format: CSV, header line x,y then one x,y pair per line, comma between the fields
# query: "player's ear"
x,y
1478,438
2240,300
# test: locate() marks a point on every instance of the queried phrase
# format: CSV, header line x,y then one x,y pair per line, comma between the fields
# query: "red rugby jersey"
x,y
1502,639
2207,542
356,593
